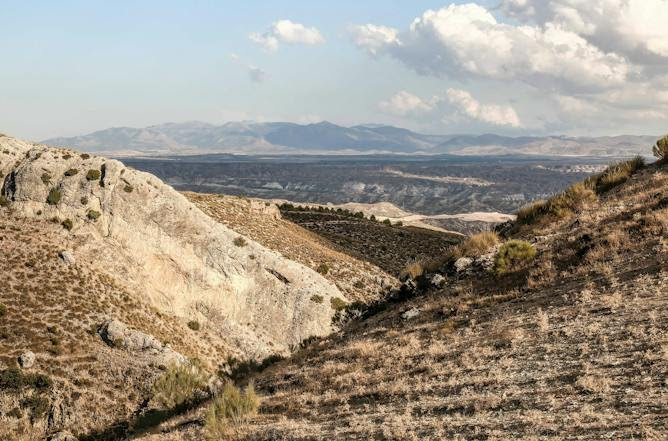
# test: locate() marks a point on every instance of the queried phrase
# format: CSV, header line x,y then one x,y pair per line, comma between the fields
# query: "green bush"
x,y
54,196
231,407
194,325
178,385
11,380
67,224
513,255
93,214
71,172
240,242
660,150
387,222
337,304
93,175
37,404
323,268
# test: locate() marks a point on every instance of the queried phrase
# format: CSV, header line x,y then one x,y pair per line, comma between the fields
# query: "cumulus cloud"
x,y
455,102
288,32
405,103
585,57
487,113
256,74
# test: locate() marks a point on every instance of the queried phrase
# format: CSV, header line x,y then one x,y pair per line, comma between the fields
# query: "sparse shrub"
x,y
178,385
660,150
37,404
46,178
93,175
399,224
323,268
412,271
387,222
240,242
615,174
529,214
54,196
315,298
4,201
84,156
67,224
513,255
40,382
337,303
67,156
562,205
358,284
3,310
194,325
478,244
231,407
128,188
93,214
71,172
11,380
84,200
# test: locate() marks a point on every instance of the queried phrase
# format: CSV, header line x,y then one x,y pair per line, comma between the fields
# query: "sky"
x,y
513,67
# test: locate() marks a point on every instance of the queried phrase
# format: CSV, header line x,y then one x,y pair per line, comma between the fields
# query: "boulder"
x,y
437,280
27,359
463,263
411,313
68,257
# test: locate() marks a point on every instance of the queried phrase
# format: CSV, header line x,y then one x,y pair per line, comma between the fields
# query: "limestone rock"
x,y
179,259
118,335
27,360
67,257
411,313
463,263
437,280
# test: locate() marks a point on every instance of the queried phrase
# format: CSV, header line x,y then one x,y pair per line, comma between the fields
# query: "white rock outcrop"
x,y
165,249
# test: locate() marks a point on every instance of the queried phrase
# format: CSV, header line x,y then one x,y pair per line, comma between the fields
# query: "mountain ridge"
x,y
248,137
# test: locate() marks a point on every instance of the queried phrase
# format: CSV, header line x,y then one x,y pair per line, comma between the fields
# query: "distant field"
x,y
434,185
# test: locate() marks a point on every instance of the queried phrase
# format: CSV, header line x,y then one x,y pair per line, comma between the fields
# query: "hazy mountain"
x,y
328,138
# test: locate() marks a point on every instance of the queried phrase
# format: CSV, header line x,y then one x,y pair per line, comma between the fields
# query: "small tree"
x,y
660,150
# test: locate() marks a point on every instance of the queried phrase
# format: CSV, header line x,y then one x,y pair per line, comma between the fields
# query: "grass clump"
x,y
315,298
54,196
232,407
413,270
337,303
660,150
240,242
615,174
93,175
513,255
37,404
478,244
128,188
323,269
67,224
84,200
178,385
71,172
46,178
194,325
93,214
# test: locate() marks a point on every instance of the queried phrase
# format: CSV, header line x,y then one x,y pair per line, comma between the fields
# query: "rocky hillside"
x,y
560,331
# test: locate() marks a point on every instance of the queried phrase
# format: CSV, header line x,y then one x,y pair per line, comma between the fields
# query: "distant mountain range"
x,y
326,138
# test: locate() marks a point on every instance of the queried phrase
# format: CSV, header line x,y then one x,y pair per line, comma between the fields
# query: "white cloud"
x,y
636,28
488,113
457,104
597,60
373,38
256,74
404,103
288,32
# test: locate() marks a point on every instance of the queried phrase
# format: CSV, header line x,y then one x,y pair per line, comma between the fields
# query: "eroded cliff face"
x,y
166,250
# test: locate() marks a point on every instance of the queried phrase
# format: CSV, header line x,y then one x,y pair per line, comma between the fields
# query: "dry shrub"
x,y
513,255
660,150
615,174
413,270
93,175
478,244
178,385
231,407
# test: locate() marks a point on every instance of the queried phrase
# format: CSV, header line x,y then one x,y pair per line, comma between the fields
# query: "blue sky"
x,y
71,67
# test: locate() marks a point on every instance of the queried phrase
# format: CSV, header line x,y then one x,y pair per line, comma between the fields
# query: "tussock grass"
x,y
231,407
660,150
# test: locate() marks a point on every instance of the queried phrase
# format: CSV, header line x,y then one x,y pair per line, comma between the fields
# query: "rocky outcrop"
x,y
27,359
132,225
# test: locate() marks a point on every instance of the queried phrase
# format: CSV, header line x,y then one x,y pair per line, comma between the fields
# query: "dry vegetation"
x,y
574,345
357,279
53,309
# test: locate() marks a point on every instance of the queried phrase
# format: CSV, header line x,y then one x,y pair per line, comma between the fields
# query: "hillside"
x,y
569,344
190,138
